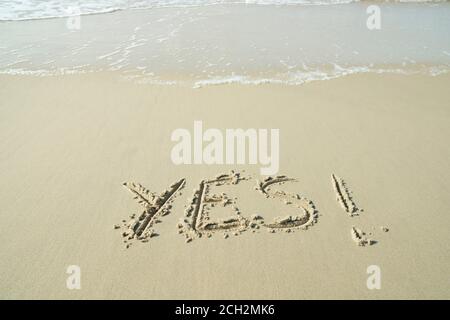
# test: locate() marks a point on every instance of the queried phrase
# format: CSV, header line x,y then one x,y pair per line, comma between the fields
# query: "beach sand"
x,y
67,143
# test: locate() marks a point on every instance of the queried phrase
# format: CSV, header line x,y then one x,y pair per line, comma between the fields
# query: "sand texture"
x,y
86,179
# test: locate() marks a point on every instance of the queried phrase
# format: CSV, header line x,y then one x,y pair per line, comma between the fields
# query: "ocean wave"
x,y
290,78
18,10
303,77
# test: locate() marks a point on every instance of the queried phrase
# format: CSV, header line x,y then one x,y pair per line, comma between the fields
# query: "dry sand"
x,y
67,143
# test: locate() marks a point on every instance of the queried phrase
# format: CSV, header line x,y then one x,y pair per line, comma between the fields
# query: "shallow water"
x,y
233,42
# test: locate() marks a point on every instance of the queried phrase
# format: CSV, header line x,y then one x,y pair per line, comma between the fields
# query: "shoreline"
x,y
296,79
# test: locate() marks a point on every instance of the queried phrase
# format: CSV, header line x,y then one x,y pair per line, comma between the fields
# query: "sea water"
x,y
214,42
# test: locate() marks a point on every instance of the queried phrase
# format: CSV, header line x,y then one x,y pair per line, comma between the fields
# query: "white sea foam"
x,y
44,72
292,79
300,78
13,10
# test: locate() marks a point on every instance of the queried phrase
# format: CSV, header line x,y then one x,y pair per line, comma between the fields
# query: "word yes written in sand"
x,y
197,221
